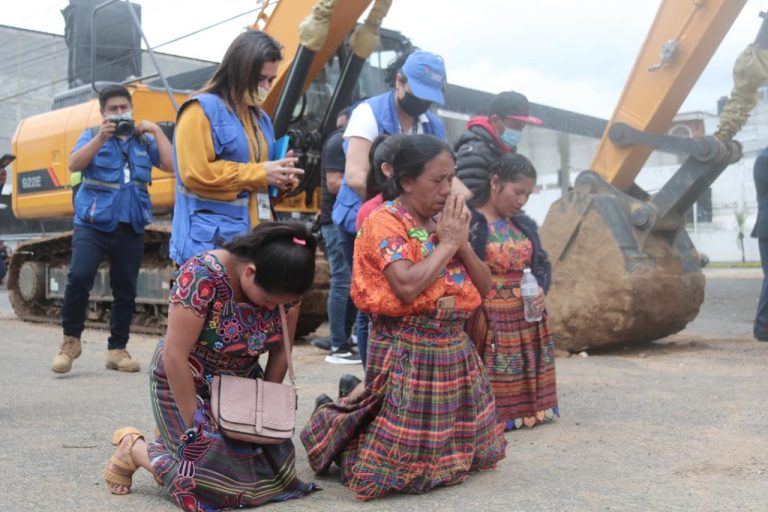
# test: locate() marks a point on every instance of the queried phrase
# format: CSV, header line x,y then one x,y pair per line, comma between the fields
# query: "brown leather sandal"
x,y
120,472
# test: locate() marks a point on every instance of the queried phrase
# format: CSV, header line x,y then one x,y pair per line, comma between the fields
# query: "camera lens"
x,y
124,127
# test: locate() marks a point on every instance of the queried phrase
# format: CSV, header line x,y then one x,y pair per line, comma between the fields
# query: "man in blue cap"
x,y
419,81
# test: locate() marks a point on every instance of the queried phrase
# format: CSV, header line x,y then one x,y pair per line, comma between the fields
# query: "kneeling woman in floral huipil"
x,y
426,417
223,315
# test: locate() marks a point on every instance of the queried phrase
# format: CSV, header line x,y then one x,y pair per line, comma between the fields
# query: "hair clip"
x,y
299,241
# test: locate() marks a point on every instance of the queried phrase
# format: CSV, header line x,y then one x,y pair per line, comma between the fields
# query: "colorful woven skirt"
x,y
425,419
518,355
204,471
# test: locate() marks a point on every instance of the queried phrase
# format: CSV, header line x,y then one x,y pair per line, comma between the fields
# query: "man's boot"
x,y
119,359
69,351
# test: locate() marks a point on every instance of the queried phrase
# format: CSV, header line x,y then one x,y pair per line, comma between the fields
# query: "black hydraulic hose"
x,y
292,90
342,94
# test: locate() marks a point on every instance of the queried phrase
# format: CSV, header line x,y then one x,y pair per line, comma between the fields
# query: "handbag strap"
x,y
287,346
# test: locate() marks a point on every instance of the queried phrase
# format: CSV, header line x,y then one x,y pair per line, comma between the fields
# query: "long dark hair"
x,y
409,160
382,151
284,255
394,66
240,69
510,168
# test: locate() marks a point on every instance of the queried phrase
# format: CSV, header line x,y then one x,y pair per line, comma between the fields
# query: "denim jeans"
x,y
361,322
341,309
125,248
760,329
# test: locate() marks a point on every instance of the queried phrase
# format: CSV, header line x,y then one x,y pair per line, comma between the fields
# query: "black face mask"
x,y
412,105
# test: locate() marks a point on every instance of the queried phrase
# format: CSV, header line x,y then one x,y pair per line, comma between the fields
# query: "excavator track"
x,y
37,279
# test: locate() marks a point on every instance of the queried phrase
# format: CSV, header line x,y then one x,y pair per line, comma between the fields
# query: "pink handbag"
x,y
254,410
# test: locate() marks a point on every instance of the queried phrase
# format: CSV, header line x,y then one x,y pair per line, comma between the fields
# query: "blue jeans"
x,y
341,309
760,329
361,322
125,248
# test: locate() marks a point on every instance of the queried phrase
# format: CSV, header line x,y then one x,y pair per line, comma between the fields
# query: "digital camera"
x,y
123,127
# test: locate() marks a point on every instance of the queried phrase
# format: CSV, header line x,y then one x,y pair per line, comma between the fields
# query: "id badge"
x,y
263,206
446,302
127,173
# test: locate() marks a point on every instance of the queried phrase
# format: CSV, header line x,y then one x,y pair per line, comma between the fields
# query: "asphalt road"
x,y
676,425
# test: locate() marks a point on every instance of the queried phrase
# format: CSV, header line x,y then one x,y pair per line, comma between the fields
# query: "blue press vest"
x,y
103,181
201,224
347,204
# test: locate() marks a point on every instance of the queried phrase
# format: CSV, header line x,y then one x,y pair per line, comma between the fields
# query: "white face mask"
x,y
255,100
125,116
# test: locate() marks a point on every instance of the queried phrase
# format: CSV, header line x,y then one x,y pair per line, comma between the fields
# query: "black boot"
x,y
322,399
347,383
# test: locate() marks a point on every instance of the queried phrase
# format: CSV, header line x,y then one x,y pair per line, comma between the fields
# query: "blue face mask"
x,y
511,137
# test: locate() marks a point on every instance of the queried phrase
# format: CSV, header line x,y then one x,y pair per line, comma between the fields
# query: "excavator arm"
x,y
684,36
624,269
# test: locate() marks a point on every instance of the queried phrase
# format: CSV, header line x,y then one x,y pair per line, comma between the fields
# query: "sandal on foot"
x,y
120,472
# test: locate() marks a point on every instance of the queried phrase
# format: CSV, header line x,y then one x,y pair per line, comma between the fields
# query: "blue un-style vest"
x,y
103,181
201,224
347,203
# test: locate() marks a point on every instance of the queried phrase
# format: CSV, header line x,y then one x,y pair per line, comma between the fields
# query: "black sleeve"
x,y
472,167
334,159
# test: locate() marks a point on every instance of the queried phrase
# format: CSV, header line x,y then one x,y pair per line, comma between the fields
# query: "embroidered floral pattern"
x,y
507,249
391,235
393,248
235,329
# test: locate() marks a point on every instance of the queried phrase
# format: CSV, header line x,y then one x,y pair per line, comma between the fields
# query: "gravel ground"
x,y
676,425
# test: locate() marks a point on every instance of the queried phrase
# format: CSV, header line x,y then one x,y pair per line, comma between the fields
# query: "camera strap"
x,y
127,164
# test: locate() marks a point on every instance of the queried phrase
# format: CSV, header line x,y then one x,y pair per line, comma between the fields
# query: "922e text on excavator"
x,y
650,283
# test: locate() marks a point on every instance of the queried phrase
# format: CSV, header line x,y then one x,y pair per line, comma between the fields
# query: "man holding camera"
x,y
112,207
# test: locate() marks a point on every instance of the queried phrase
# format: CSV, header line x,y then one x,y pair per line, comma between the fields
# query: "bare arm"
x,y
81,158
184,327
333,181
277,364
163,144
478,270
357,166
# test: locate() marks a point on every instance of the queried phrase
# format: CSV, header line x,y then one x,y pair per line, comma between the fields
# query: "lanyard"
x,y
256,148
128,163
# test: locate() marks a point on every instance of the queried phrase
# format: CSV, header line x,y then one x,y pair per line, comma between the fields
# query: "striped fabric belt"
x,y
508,281
438,323
225,364
113,186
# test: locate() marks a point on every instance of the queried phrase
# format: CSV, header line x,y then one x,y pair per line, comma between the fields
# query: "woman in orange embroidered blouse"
x,y
426,416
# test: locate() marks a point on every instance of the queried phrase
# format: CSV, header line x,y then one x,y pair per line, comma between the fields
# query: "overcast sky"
x,y
571,54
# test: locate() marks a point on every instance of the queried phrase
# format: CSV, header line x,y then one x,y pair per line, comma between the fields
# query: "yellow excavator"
x,y
625,271
313,34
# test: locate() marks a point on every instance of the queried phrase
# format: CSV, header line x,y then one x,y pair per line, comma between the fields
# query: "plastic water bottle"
x,y
529,288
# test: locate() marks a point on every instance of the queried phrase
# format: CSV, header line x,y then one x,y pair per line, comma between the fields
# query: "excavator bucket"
x,y
624,269
617,281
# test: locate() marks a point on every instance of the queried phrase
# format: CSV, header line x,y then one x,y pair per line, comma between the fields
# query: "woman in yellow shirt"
x,y
224,151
